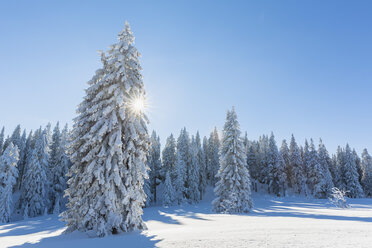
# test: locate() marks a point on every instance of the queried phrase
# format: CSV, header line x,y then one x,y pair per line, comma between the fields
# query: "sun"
x,y
138,105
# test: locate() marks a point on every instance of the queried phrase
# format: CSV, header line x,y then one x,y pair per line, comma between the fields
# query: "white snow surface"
x,y
273,222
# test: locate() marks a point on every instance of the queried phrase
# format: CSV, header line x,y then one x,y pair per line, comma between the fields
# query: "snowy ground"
x,y
275,222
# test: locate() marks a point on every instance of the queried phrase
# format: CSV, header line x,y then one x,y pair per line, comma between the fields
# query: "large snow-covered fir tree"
x,y
8,177
179,182
233,188
182,166
323,188
109,146
367,175
34,193
2,136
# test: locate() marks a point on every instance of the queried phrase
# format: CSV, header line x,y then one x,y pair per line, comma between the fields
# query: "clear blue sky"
x,y
302,67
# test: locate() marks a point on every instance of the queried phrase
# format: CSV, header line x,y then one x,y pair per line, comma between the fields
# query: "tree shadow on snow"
x,y
29,226
301,209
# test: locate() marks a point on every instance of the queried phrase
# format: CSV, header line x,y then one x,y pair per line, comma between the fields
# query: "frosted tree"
x,y
154,163
262,162
339,171
8,177
350,175
169,193
18,140
233,189
325,183
179,183
193,177
284,152
358,164
253,165
169,157
298,180
109,146
2,136
213,156
202,166
367,176
54,164
35,181
276,176
182,165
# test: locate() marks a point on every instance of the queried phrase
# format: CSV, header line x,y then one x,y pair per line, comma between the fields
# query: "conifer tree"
x,y
169,157
154,163
233,189
179,184
252,165
213,156
298,181
183,165
202,166
35,181
8,177
193,176
276,176
284,152
350,175
109,146
324,188
367,176
54,164
168,193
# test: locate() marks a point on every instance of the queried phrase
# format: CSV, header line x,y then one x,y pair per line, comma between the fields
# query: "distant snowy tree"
x,y
325,184
262,163
233,189
202,166
358,164
276,176
169,157
179,183
35,181
253,165
193,176
338,198
169,193
298,179
109,146
154,163
284,152
350,176
213,156
367,176
8,177
55,163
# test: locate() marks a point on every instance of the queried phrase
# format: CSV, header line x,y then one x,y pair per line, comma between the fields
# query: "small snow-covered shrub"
x,y
338,198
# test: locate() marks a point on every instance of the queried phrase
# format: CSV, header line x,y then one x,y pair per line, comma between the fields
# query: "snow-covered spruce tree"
x,y
298,180
276,177
154,163
350,175
182,165
202,166
213,157
358,163
8,177
253,164
54,164
109,146
179,183
169,193
18,140
2,136
339,181
60,173
318,183
367,175
193,178
262,158
35,181
169,157
324,188
284,152
233,189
